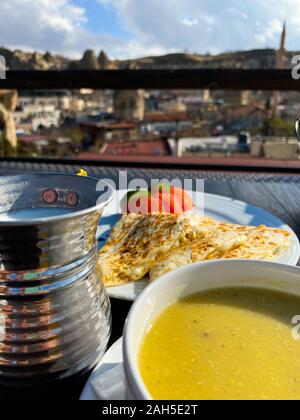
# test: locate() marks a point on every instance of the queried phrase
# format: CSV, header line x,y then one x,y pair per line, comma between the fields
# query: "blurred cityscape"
x,y
88,124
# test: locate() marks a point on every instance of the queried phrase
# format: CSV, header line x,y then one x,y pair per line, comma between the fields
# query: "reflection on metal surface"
x,y
54,312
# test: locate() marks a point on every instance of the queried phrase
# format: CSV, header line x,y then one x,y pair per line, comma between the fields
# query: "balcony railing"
x,y
212,79
219,79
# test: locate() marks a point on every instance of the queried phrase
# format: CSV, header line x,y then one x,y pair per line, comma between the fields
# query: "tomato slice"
x,y
156,206
161,187
175,201
164,199
183,199
167,202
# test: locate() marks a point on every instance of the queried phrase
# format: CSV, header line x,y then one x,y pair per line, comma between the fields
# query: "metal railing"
x,y
213,79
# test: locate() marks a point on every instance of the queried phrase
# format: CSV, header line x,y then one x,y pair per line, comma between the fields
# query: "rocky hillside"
x,y
261,59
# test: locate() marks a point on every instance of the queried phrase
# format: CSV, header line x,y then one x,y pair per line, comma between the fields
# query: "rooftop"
x,y
130,148
122,125
166,116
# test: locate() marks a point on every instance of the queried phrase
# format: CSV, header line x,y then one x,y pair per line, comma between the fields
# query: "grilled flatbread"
x,y
228,241
262,244
159,243
138,242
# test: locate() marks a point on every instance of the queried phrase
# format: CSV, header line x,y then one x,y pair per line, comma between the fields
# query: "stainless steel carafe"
x,y
55,315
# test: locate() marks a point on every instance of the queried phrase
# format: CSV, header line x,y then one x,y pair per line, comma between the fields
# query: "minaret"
x,y
280,66
281,55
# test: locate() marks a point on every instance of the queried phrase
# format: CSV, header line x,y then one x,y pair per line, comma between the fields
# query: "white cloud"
x,y
237,12
156,26
42,24
208,25
61,27
187,21
271,31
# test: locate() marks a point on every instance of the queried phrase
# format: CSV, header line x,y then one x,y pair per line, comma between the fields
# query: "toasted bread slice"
x,y
228,241
138,242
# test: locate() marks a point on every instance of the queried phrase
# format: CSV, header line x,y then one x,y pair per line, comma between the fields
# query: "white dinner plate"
x,y
112,358
216,206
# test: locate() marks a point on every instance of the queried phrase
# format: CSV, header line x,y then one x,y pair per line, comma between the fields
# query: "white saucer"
x,y
111,359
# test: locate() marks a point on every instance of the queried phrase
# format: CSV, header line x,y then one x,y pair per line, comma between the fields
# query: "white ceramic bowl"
x,y
190,280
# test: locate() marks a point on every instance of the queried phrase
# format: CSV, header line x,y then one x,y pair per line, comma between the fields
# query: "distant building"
x,y
40,111
243,118
33,145
166,122
37,145
106,131
233,98
155,147
197,146
129,105
44,120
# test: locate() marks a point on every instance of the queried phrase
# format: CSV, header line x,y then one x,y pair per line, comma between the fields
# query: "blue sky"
x,y
132,28
103,19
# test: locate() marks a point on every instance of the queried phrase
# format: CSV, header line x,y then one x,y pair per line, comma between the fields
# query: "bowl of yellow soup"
x,y
218,330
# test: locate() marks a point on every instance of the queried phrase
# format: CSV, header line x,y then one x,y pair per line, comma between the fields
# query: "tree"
x,y
75,134
277,126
